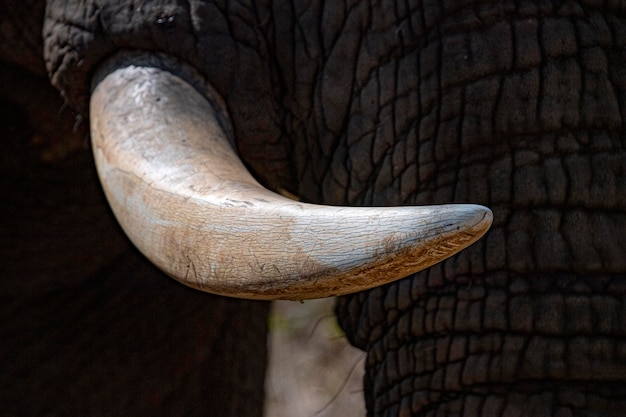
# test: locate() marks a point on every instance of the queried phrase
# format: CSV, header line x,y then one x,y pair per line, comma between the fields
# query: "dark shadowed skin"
x,y
89,327
519,106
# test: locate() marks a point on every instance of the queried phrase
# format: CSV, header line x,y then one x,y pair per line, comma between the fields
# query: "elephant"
x,y
517,106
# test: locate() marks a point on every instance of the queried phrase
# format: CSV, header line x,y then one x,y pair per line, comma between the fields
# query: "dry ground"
x,y
313,371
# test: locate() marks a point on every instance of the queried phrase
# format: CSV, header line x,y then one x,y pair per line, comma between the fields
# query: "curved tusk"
x,y
187,202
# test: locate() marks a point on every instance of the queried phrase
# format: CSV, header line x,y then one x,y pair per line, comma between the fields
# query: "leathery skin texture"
x,y
492,345
522,111
519,106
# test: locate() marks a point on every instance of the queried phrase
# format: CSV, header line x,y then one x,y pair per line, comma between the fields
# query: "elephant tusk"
x,y
187,202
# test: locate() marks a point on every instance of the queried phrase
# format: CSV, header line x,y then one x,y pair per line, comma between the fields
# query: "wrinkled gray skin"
x,y
519,106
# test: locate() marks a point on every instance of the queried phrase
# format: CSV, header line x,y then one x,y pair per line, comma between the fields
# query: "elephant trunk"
x,y
501,344
188,203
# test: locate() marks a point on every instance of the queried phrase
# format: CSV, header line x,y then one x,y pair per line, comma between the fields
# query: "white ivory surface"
x,y
188,203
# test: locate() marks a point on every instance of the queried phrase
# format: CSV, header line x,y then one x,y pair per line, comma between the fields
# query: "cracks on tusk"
x,y
187,202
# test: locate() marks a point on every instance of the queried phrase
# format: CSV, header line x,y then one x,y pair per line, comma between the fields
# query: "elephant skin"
x,y
519,106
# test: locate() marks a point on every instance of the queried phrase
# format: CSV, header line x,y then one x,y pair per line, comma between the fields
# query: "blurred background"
x,y
313,370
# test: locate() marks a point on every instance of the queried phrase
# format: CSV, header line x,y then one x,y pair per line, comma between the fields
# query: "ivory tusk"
x,y
187,202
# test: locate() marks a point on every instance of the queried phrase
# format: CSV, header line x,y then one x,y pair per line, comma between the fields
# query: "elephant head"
x,y
515,105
